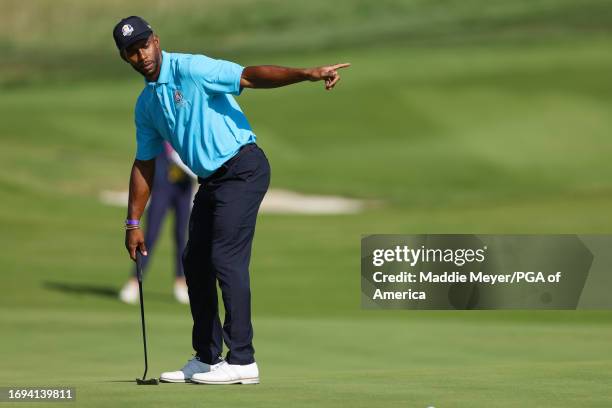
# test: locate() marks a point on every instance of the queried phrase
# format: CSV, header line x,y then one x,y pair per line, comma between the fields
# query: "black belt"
x,y
223,169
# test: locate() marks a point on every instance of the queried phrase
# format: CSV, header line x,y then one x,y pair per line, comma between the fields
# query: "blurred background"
x,y
468,116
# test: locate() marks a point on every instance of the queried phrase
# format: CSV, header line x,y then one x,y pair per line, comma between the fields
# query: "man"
x,y
187,101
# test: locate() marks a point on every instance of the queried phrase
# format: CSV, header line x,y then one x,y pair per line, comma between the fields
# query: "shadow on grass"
x,y
99,291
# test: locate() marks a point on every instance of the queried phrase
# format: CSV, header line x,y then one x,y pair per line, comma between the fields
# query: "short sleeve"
x,y
215,75
149,144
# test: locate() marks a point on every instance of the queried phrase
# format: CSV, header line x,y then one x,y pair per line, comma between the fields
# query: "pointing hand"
x,y
328,73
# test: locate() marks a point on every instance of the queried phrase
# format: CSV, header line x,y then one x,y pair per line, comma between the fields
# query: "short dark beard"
x,y
157,64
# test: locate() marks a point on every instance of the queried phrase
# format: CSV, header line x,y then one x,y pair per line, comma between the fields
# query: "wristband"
x,y
132,222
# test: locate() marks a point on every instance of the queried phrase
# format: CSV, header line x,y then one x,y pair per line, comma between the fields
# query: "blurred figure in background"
x,y
172,189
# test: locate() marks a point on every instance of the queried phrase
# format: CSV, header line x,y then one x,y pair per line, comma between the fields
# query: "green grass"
x,y
375,360
456,117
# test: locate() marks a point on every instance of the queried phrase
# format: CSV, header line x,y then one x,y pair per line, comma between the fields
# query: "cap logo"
x,y
127,30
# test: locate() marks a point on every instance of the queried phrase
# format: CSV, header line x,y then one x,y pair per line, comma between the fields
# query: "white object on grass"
x,y
129,293
180,293
277,202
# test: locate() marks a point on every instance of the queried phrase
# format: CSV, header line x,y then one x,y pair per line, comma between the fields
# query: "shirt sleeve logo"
x,y
127,30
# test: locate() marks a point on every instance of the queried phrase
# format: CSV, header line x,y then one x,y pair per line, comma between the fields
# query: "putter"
x,y
143,381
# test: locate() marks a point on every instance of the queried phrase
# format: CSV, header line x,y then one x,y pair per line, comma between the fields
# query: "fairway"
x,y
497,121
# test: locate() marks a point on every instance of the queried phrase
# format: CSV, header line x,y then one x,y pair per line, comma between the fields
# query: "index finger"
x,y
343,65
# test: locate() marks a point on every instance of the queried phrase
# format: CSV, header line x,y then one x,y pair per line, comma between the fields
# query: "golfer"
x,y
187,101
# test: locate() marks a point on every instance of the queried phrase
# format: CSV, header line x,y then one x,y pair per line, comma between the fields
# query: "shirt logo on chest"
x,y
178,97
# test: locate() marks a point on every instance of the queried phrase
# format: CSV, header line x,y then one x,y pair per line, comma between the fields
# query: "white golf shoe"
x,y
180,291
225,373
129,292
186,373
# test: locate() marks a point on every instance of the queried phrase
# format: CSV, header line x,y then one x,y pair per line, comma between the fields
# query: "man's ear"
x,y
122,55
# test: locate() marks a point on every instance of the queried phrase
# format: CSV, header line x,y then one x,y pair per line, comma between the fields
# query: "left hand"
x,y
328,73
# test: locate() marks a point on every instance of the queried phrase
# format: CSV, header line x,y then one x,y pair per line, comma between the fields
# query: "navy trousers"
x,y
221,230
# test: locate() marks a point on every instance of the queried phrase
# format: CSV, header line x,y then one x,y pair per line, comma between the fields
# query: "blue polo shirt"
x,y
191,106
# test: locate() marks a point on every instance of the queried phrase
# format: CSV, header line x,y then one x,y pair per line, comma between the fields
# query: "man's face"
x,y
145,56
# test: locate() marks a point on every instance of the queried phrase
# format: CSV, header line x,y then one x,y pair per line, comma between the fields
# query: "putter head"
x,y
150,381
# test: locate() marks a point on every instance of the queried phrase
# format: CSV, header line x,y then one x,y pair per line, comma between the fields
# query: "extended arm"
x,y
141,182
272,76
